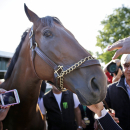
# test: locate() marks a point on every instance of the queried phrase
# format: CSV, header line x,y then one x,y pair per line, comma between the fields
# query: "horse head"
x,y
61,59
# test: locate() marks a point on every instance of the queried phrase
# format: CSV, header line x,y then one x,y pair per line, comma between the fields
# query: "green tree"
x,y
115,26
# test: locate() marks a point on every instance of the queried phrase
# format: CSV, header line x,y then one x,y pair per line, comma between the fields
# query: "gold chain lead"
x,y
73,67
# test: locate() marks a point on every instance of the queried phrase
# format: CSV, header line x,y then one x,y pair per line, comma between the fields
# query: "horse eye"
x,y
48,34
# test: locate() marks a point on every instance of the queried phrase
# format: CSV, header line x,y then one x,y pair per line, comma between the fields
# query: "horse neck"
x,y
23,77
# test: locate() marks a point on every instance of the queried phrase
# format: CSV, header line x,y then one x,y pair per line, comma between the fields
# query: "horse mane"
x,y
15,56
47,21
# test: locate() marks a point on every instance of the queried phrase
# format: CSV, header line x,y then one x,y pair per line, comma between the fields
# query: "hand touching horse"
x,y
48,51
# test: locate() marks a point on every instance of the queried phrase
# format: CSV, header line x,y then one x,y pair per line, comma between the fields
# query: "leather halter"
x,y
59,71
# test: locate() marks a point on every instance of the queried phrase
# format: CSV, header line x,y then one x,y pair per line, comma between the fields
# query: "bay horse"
x,y
48,51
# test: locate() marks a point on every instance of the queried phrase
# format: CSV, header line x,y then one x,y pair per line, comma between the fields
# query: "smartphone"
x,y
10,98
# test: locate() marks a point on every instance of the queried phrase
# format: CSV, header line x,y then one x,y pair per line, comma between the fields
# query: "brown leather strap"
x,y
54,66
45,58
105,103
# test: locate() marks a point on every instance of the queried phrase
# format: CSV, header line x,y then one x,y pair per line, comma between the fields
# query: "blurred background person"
x,y
87,118
118,95
61,109
113,70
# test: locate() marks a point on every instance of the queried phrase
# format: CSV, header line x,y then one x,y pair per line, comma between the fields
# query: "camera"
x,y
113,68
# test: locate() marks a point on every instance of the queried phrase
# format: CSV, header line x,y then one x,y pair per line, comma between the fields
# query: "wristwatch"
x,y
80,127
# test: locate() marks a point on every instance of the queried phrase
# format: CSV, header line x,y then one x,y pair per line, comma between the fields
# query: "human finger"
x,y
83,124
2,90
119,44
3,107
118,53
114,46
116,119
119,72
114,75
123,47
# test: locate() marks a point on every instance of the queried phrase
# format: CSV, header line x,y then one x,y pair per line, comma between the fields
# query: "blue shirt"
x,y
127,87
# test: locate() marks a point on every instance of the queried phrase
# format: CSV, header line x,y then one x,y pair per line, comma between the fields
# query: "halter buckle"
x,y
60,67
31,34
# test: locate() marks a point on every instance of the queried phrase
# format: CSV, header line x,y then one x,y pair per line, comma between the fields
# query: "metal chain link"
x,y
73,67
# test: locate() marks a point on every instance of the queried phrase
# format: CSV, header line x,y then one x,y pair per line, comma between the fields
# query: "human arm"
x,y
83,124
118,76
123,47
3,110
78,117
104,119
77,111
82,115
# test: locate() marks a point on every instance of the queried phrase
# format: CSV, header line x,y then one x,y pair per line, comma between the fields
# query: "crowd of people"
x,y
63,110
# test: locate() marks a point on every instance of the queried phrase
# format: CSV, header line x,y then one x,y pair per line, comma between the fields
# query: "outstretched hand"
x,y
97,108
123,47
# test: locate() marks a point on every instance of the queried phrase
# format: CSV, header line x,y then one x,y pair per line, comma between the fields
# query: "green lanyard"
x,y
84,107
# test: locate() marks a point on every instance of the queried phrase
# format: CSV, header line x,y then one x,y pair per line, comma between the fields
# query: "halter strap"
x,y
59,71
54,66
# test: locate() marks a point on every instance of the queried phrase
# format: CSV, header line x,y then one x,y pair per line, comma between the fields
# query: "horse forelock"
x,y
15,56
49,21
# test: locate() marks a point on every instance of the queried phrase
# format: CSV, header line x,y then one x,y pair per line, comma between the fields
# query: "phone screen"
x,y
8,98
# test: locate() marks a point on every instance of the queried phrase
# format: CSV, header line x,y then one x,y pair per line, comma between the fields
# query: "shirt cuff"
x,y
103,113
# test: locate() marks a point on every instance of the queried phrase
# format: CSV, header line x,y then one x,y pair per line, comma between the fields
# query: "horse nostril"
x,y
94,85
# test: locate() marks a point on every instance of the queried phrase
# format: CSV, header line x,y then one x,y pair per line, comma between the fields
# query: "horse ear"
x,y
31,15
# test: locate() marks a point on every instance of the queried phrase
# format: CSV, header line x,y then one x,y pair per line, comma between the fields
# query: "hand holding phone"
x,y
2,91
10,98
3,109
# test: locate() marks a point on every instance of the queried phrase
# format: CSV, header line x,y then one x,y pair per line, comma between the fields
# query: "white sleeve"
x,y
103,113
41,105
76,100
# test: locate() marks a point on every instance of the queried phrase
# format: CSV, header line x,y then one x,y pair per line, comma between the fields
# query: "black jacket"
x,y
118,99
60,120
108,123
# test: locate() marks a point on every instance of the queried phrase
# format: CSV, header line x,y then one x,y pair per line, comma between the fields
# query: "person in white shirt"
x,y
62,109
